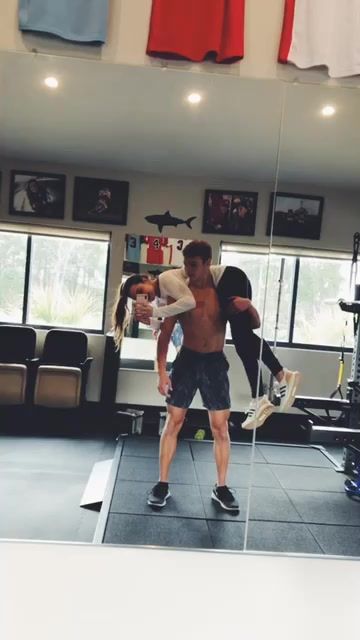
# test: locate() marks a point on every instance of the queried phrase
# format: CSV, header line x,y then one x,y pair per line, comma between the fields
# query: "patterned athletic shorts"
x,y
207,372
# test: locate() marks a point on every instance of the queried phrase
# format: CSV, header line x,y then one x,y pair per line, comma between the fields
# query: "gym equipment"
x,y
351,460
162,419
351,466
271,394
352,488
353,274
95,489
342,429
131,421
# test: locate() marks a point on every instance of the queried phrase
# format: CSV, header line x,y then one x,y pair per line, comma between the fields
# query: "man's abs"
x,y
203,327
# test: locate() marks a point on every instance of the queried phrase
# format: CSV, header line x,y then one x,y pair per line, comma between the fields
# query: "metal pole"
x,y
281,280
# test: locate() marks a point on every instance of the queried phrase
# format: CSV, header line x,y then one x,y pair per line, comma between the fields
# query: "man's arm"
x,y
167,327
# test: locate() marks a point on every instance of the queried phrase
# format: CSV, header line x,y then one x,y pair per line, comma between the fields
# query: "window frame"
x,y
78,234
296,253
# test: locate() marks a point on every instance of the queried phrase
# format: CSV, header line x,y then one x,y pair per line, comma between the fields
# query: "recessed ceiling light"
x,y
194,98
51,82
328,110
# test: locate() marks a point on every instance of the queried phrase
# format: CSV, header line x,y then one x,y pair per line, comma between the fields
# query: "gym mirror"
x,y
116,164
309,441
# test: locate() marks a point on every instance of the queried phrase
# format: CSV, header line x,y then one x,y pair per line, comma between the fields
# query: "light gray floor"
x,y
41,484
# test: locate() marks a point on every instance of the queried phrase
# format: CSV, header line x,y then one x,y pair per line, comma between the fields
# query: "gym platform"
x,y
298,503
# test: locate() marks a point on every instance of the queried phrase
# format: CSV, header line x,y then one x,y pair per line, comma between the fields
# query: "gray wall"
x,y
319,371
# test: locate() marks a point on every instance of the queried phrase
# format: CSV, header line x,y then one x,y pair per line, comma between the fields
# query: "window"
x,y
308,289
13,247
255,266
51,280
318,318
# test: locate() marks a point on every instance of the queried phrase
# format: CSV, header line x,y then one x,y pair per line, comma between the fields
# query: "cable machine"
x,y
345,427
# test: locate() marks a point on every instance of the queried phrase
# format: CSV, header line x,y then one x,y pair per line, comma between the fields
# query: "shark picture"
x,y
167,220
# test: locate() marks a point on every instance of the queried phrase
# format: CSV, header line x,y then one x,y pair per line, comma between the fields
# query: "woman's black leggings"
x,y
247,345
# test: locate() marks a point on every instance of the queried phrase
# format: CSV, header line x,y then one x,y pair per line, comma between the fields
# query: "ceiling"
x,y
131,118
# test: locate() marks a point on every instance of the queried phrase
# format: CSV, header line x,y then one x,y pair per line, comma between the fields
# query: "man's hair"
x,y
198,249
120,316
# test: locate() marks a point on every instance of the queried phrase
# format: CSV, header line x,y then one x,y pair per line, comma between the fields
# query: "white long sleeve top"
x,y
174,284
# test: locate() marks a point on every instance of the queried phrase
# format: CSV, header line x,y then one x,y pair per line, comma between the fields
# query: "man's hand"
x,y
238,305
143,311
164,384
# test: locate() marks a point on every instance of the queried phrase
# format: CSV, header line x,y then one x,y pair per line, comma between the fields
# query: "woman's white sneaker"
x,y
288,388
259,410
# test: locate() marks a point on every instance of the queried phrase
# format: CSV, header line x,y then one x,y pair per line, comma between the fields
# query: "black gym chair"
x,y
17,349
61,374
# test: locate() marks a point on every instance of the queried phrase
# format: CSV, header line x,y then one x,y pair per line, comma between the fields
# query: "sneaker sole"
x,y
265,416
289,401
260,420
159,505
216,499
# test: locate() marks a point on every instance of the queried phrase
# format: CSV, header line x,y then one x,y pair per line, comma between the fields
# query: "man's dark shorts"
x,y
207,372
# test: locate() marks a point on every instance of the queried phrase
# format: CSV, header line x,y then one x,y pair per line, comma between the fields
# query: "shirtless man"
x,y
234,292
200,364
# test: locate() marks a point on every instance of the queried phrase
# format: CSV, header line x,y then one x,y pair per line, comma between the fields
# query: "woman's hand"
x,y
143,311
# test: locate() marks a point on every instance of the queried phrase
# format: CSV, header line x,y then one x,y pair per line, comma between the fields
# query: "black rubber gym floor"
x,y
298,504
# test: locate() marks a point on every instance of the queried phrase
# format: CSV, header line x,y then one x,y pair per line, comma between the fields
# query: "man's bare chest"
x,y
207,303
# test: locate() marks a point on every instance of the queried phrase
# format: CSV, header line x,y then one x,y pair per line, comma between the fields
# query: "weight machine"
x,y
345,427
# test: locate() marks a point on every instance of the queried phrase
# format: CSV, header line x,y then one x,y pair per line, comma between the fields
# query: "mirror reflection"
x,y
312,447
96,191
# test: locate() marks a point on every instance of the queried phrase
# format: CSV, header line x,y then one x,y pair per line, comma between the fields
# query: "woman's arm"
x,y
172,286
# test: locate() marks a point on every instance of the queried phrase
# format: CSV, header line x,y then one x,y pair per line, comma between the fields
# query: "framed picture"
x,y
37,194
99,200
230,212
295,215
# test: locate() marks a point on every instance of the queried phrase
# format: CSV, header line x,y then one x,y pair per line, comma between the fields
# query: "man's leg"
x,y
220,430
214,390
183,389
168,441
